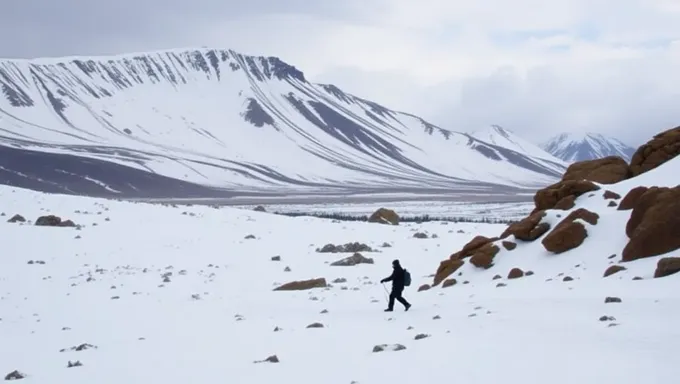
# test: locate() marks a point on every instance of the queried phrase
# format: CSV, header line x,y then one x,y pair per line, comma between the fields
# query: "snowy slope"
x,y
573,147
217,312
505,138
204,122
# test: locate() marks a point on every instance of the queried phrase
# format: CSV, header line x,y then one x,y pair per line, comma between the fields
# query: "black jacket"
x,y
397,278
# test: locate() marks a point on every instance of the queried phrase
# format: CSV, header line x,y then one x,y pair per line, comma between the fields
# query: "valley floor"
x,y
181,295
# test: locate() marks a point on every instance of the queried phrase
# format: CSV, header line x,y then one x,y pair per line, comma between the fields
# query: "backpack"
x,y
407,278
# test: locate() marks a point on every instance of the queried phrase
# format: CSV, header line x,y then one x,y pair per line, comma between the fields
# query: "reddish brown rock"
x,y
449,283
483,257
568,236
611,195
663,147
528,229
607,170
667,266
632,198
384,216
446,269
509,245
303,285
613,269
654,224
566,203
547,198
424,287
474,244
515,273
612,204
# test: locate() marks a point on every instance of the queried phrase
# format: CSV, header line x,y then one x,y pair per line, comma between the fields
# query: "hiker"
x,y
397,278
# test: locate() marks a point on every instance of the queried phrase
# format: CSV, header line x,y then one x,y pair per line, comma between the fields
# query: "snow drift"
x,y
207,122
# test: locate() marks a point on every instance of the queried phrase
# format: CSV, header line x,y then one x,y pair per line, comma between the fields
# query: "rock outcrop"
x,y
663,147
569,233
353,260
549,197
384,216
528,229
667,266
607,170
654,224
302,285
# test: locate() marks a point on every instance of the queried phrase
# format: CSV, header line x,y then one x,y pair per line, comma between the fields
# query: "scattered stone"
x,y
259,208
15,375
315,325
515,273
420,235
421,336
637,278
349,248
500,285
667,266
72,364
339,280
449,283
324,312
509,245
249,237
424,287
528,273
276,258
436,317
270,359
612,300
388,347
386,245
17,219
568,278
303,285
287,269
613,269
607,318
53,221
611,195
353,260
611,256
277,329
497,277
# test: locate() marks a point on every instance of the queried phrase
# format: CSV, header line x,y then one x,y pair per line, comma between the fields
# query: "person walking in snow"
x,y
397,278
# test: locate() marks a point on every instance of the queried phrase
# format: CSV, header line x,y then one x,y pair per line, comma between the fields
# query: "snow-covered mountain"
x,y
503,137
572,147
206,122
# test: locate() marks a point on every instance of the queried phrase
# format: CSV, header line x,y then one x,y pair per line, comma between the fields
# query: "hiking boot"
x,y
407,307
389,310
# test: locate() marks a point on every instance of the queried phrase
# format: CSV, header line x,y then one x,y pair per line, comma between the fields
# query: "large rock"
x,y
303,285
667,266
353,260
631,198
654,224
607,170
663,147
446,269
53,221
384,216
569,233
528,229
483,256
549,197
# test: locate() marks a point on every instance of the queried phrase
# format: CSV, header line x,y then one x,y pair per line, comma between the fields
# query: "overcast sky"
x,y
536,67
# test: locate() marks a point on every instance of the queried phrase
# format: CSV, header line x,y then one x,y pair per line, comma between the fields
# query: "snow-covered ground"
x,y
411,209
216,313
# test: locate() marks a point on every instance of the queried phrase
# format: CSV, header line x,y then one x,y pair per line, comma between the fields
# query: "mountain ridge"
x,y
201,117
573,147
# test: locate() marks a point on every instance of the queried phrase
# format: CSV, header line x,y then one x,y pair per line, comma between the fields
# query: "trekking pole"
x,y
386,292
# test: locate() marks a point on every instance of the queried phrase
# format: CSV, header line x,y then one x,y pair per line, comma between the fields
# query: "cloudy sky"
x,y
537,67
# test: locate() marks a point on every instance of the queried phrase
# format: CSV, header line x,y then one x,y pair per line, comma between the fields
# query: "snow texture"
x,y
572,147
165,294
212,123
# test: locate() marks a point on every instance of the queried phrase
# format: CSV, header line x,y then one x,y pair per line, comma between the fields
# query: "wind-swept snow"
x,y
185,294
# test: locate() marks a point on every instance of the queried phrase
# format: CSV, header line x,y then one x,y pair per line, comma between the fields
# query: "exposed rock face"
x,y
632,198
607,170
515,273
483,257
529,228
667,266
384,216
303,285
613,269
550,196
654,224
355,259
446,269
663,147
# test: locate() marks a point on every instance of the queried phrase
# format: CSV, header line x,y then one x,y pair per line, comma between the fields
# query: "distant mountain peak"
x,y
580,146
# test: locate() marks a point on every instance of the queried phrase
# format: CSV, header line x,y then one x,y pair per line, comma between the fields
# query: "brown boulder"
x,y
424,287
509,245
528,229
667,266
303,285
607,170
515,273
567,236
567,203
384,216
483,257
613,269
446,269
663,147
611,195
654,224
449,283
548,197
631,198
474,244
